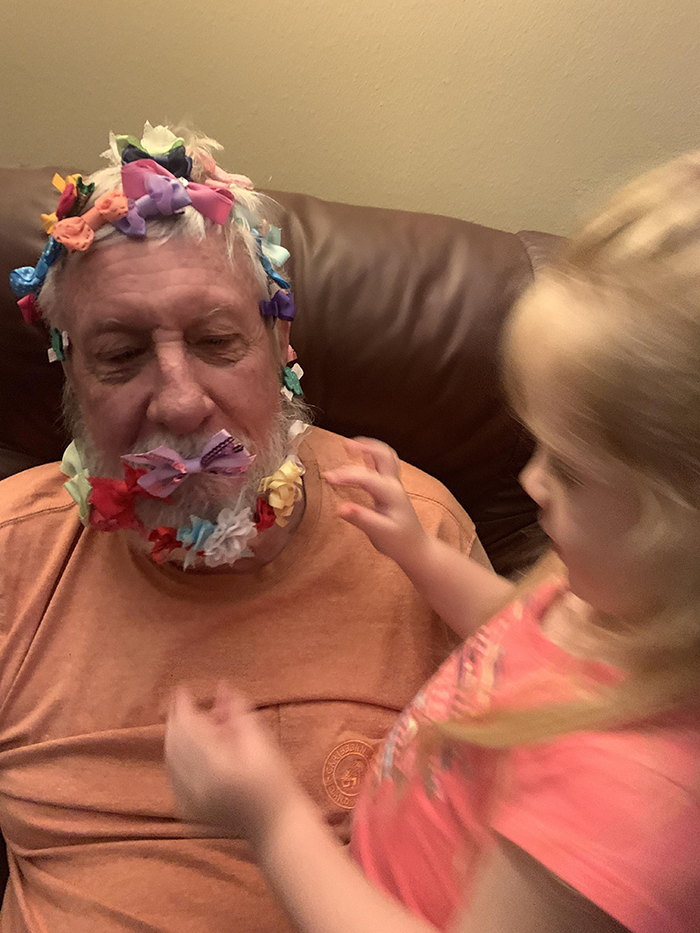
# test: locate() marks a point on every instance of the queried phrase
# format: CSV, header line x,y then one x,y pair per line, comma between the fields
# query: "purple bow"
x,y
222,454
163,196
281,306
152,189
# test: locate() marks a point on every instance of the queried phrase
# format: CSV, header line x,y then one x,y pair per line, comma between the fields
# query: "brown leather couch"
x,y
397,330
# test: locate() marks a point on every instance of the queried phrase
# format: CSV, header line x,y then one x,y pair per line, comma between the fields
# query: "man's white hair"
x,y
251,211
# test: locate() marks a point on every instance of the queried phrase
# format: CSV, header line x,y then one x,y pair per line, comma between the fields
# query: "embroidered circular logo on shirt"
x,y
344,769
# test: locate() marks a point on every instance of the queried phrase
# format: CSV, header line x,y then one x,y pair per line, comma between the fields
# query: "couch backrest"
x,y
397,330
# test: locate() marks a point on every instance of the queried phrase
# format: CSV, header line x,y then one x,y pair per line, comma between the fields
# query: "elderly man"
x,y
188,536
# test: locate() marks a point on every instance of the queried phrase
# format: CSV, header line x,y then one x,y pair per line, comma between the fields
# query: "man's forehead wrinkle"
x,y
204,300
138,261
138,319
186,285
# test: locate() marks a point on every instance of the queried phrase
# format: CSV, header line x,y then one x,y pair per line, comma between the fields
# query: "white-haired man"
x,y
189,536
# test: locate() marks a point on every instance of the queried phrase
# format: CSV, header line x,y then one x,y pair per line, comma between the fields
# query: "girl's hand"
x,y
224,769
392,524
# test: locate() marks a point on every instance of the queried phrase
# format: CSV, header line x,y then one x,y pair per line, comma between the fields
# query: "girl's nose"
x,y
533,478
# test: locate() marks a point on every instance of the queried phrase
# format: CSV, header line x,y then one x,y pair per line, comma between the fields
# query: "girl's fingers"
x,y
378,486
182,706
356,451
231,706
372,523
223,698
384,458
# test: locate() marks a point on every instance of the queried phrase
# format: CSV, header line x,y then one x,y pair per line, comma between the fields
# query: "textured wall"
x,y
517,113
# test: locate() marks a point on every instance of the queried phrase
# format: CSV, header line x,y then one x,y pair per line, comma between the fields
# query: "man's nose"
x,y
179,402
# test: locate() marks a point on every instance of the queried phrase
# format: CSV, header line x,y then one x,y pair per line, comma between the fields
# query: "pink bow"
x,y
222,454
214,203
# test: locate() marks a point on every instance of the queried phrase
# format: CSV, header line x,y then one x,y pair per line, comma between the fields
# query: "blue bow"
x,y
27,279
267,265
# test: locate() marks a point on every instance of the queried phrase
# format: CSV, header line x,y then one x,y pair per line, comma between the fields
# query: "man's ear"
x,y
282,332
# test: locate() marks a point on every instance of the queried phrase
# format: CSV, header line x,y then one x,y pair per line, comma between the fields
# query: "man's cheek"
x,y
114,420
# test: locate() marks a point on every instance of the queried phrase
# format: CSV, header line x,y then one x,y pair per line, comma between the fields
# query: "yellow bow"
x,y
48,220
284,490
78,486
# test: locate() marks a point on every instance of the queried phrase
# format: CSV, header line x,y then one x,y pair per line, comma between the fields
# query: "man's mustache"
x,y
166,468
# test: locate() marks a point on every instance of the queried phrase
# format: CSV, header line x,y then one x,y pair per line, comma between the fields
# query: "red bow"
x,y
264,517
112,501
164,541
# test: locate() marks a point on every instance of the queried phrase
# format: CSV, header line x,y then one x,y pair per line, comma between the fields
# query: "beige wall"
x,y
514,113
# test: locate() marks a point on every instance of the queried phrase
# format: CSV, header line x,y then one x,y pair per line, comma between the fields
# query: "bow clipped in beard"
x,y
167,469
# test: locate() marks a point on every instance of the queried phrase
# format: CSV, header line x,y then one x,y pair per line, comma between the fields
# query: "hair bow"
x,y
267,263
113,501
176,161
162,196
281,306
28,279
166,468
138,183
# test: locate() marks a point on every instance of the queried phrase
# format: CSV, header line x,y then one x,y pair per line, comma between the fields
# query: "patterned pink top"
x,y
616,815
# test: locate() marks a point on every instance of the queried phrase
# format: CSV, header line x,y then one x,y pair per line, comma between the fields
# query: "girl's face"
x,y
589,515
590,502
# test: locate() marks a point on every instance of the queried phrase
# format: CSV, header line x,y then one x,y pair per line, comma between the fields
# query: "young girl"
x,y
548,777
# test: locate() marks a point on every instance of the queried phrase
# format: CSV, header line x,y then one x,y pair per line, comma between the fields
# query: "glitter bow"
x,y
28,279
166,468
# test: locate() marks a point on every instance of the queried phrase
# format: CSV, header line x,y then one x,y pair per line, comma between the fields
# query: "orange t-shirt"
x,y
616,815
329,640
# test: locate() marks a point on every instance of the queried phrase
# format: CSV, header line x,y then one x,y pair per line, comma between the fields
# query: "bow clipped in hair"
x,y
155,175
281,306
222,454
28,279
152,189
177,162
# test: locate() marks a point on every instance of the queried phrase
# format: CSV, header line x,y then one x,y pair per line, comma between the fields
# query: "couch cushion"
x,y
29,387
398,332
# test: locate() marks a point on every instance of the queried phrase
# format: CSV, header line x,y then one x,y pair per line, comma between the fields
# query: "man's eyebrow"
x,y
221,311
113,325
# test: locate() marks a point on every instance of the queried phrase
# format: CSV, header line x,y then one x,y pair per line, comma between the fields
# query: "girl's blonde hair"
x,y
617,320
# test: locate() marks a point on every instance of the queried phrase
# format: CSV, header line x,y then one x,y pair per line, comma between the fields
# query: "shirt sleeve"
x,y
615,816
440,513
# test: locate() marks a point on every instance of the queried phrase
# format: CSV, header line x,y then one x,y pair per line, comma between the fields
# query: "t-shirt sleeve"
x,y
440,513
614,822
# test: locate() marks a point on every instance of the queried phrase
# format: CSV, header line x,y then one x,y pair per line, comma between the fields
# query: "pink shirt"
x,y
616,815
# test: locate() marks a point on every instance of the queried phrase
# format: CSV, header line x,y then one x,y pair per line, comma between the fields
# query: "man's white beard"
x,y
201,494
206,494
